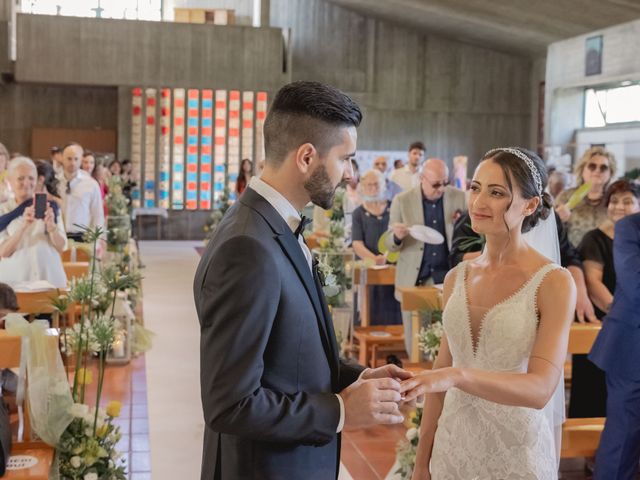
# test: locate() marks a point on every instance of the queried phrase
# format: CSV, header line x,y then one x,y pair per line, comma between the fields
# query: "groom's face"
x,y
332,168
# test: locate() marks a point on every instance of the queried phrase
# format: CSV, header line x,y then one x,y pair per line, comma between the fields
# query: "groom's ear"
x,y
305,155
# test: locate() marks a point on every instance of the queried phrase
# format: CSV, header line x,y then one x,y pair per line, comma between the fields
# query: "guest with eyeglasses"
x,y
597,166
432,203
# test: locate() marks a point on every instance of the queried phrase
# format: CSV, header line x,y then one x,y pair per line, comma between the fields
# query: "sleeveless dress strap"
x,y
461,269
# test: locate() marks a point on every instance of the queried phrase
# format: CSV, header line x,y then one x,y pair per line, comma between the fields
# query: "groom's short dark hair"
x,y
307,112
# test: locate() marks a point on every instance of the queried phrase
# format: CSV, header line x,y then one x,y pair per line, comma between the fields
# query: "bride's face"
x,y
493,208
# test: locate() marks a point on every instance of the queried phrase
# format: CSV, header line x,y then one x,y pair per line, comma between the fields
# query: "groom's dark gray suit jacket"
x,y
269,363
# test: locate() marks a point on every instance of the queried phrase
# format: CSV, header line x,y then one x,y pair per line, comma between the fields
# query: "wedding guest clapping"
x,y
29,247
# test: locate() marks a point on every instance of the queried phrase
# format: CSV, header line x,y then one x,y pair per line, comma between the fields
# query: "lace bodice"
x,y
479,439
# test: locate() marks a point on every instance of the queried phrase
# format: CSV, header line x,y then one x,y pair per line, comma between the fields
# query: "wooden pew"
x,y
415,300
364,278
33,303
10,348
75,269
581,436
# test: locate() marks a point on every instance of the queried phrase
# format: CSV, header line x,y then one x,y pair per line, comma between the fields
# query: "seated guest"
x,y
48,182
128,178
8,302
597,167
115,167
30,248
82,199
8,379
392,189
246,172
588,386
369,222
432,203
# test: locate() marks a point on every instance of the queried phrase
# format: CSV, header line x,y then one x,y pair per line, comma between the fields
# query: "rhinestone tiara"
x,y
522,156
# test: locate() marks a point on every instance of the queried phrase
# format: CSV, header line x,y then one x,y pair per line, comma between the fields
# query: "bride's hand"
x,y
421,473
429,381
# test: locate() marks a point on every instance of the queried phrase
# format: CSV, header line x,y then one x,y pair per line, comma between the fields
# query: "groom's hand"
x,y
371,402
388,371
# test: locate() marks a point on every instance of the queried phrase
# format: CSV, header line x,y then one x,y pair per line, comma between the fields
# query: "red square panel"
x,y
192,149
221,104
179,121
137,92
151,121
234,132
220,140
137,110
262,96
179,102
192,168
151,102
234,95
178,140
221,123
192,130
247,105
247,124
262,115
234,113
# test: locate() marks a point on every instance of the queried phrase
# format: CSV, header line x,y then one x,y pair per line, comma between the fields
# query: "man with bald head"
x,y
432,203
82,202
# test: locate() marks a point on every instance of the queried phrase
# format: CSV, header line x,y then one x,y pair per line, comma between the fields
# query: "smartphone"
x,y
40,204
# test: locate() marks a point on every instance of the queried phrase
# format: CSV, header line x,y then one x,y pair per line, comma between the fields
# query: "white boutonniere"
x,y
328,279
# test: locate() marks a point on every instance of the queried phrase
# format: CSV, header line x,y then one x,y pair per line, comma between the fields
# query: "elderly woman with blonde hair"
x,y
597,166
369,222
29,247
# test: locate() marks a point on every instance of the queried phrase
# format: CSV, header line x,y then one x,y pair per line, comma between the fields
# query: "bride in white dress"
x,y
487,412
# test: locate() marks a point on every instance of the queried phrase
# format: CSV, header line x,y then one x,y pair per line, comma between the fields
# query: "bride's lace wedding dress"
x,y
483,440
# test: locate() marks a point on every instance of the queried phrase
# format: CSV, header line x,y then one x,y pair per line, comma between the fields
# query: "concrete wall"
x,y
25,106
458,98
84,51
566,79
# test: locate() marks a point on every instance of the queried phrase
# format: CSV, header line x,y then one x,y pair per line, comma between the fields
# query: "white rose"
x,y
91,476
79,410
412,433
75,461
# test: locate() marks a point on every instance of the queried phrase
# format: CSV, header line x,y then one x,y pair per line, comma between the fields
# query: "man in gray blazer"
x,y
434,204
274,392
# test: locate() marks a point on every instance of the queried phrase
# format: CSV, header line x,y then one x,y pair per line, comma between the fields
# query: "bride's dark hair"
x,y
516,170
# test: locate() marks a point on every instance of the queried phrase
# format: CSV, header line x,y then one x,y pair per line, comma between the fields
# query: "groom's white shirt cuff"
x,y
341,402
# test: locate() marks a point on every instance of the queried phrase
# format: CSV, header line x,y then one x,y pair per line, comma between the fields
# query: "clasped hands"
x,y
379,394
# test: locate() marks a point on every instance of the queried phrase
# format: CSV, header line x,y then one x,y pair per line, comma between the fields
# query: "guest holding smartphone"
x,y
32,233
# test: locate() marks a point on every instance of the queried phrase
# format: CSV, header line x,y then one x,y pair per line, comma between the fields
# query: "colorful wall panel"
x,y
164,155
193,113
150,149
220,140
187,145
233,157
206,164
177,180
136,142
247,125
261,114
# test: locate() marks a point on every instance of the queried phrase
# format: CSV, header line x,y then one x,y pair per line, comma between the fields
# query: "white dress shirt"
x,y
292,217
405,178
83,204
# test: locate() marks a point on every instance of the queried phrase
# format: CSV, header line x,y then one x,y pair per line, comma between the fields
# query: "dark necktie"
x,y
304,221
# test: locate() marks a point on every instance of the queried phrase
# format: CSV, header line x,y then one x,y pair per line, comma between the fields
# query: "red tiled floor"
x,y
128,384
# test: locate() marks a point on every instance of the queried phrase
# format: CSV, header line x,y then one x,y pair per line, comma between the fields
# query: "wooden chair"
x,y
75,254
75,269
10,349
581,436
33,303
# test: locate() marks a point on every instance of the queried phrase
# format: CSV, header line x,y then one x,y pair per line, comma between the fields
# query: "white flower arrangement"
x,y
430,336
328,279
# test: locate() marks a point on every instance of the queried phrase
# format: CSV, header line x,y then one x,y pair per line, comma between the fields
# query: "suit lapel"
x,y
291,248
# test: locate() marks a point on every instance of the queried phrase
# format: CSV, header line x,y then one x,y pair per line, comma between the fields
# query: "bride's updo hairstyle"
x,y
528,171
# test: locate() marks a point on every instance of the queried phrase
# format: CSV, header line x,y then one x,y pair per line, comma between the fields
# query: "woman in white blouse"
x,y
29,247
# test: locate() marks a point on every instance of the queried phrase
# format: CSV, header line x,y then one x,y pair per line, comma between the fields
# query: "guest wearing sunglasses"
x,y
432,203
597,166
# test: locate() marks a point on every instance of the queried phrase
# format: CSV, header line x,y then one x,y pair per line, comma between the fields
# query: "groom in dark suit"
x,y
275,394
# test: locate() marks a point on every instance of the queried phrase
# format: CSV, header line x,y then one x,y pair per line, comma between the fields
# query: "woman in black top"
x,y
588,387
369,222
